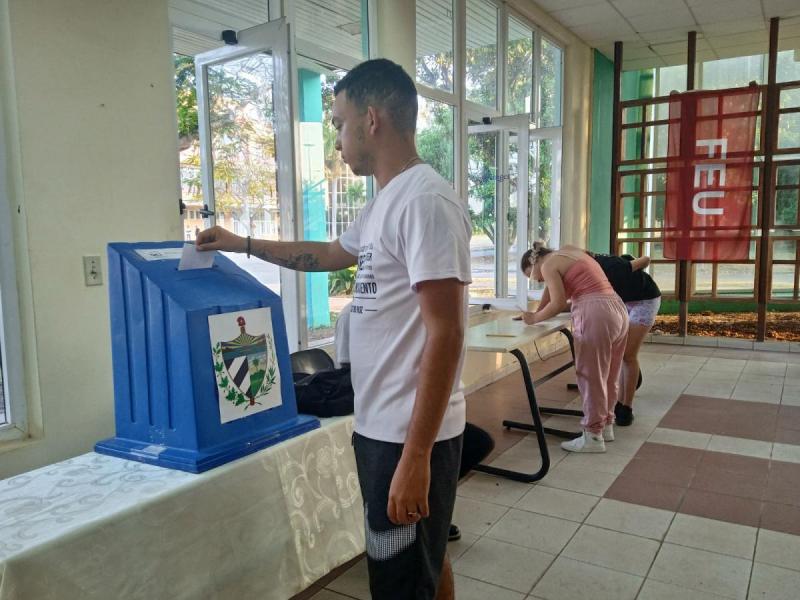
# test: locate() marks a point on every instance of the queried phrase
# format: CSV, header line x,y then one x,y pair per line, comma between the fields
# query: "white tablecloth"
x,y
263,527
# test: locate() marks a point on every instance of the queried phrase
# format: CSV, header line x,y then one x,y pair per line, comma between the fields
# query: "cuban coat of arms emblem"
x,y
245,363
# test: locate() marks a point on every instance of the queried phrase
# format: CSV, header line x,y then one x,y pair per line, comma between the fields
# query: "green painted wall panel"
x,y
600,181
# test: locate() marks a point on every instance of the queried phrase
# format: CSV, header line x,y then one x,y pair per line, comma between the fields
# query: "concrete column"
x,y
397,32
314,190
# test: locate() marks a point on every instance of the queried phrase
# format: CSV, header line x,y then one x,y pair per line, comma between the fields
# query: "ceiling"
x,y
197,24
654,32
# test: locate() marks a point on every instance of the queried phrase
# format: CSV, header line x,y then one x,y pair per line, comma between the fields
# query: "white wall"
x,y
92,141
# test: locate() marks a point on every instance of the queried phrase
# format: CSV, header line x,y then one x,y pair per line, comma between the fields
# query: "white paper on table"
x,y
191,258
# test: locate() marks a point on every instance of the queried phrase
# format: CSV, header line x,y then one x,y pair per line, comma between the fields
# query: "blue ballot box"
x,y
202,373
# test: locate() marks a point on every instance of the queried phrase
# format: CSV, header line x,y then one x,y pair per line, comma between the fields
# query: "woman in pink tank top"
x,y
599,326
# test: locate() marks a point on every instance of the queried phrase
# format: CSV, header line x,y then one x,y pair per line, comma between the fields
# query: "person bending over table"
x,y
599,326
407,329
642,299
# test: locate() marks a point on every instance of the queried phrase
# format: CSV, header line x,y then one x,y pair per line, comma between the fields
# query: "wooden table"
x,y
507,335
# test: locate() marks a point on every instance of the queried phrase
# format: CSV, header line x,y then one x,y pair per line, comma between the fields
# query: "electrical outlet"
x,y
92,270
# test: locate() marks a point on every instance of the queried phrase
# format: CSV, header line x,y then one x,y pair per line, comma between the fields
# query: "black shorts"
x,y
405,561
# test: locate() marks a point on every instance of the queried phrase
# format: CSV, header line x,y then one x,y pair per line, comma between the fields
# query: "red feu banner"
x,y
710,153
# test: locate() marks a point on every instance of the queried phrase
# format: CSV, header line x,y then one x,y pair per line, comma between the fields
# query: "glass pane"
x,y
783,281
732,72
630,248
656,141
435,43
655,250
637,84
188,145
790,98
670,79
735,280
519,68
702,279
664,274
784,250
243,155
632,114
654,211
340,25
332,196
788,67
789,175
632,143
786,207
512,250
630,212
481,58
435,135
482,198
550,85
789,131
541,205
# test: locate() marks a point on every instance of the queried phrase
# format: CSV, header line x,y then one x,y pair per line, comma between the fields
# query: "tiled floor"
x,y
698,499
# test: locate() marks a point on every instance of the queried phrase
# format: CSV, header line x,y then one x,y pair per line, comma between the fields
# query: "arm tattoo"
x,y
303,261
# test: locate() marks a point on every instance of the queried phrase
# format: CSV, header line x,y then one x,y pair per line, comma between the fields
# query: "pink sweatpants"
x,y
600,328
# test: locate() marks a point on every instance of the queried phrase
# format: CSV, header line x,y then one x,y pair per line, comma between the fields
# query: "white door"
x,y
246,147
497,194
513,202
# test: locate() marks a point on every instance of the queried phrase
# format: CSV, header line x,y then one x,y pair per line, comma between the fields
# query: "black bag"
x,y
325,393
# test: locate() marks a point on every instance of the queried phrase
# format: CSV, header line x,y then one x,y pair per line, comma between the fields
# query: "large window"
x,y
497,65
505,74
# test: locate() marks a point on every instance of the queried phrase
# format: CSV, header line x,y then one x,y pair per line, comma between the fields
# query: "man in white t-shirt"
x,y
341,336
407,329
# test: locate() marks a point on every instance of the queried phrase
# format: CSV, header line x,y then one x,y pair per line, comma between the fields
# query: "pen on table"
x,y
501,335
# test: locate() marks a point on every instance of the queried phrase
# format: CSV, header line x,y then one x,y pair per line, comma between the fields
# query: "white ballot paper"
x,y
192,259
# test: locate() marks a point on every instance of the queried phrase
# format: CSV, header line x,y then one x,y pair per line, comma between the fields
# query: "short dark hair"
x,y
382,84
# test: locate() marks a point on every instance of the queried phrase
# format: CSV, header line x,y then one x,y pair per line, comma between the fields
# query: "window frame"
x,y
465,110
503,127
16,426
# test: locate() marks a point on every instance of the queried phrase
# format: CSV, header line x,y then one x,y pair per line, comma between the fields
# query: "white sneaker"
x,y
608,433
588,442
